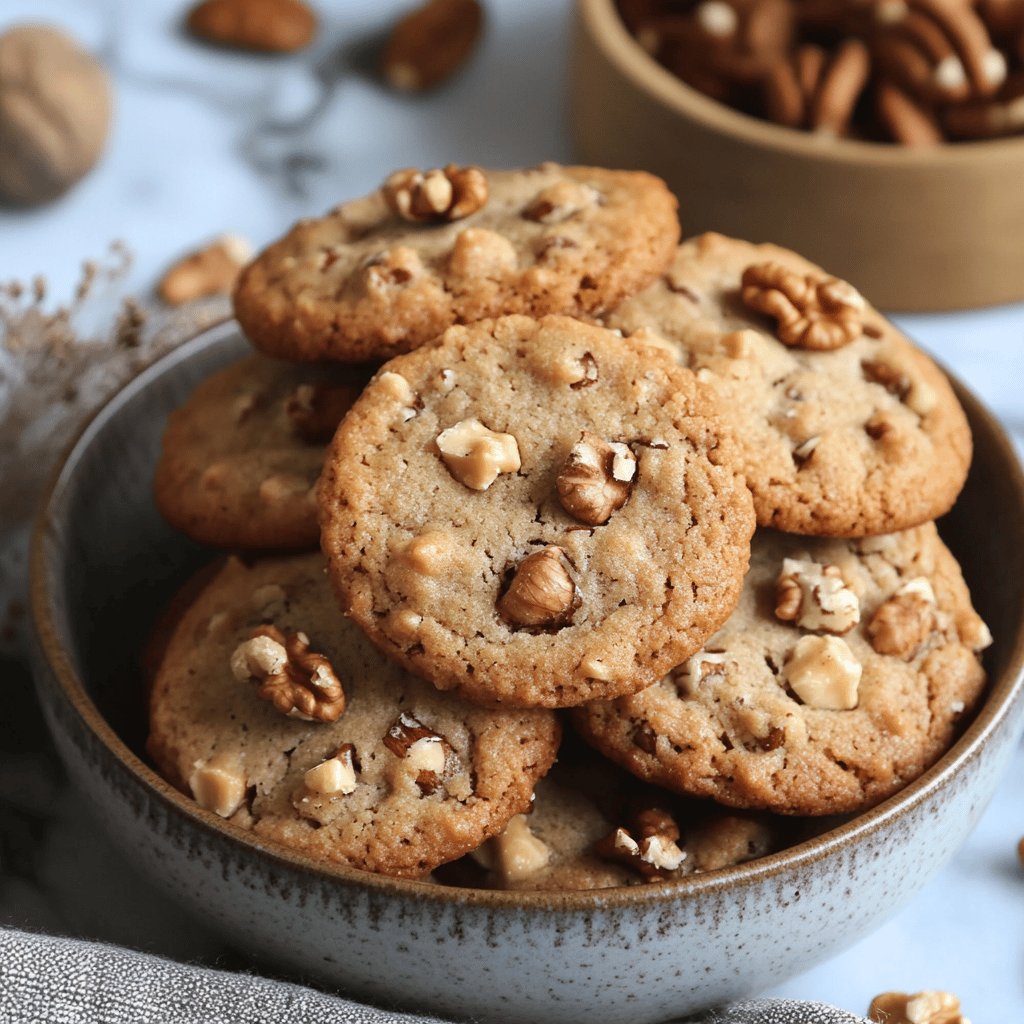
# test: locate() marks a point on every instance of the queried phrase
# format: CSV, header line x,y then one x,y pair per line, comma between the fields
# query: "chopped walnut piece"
x,y
481,253
815,597
476,455
297,681
517,853
699,667
449,194
901,624
812,311
315,410
561,201
218,784
823,672
919,1008
424,752
392,268
596,479
335,775
648,844
542,593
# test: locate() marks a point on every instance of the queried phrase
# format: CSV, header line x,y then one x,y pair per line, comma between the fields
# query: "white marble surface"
x,y
194,153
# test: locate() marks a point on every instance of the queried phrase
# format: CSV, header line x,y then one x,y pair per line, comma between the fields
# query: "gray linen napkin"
x,y
46,980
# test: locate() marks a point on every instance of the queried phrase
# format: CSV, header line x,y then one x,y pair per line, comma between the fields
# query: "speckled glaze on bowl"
x,y
915,229
103,561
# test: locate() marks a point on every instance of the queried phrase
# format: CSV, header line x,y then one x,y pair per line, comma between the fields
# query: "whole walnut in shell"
x,y
54,113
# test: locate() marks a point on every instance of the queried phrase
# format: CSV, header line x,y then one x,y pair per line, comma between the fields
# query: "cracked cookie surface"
x,y
363,283
388,806
864,439
730,723
444,513
241,457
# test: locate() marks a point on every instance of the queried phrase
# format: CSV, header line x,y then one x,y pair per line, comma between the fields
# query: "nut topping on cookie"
x,y
515,854
335,775
596,479
476,455
424,751
218,785
903,623
823,672
649,845
560,201
297,681
542,592
812,311
449,194
815,597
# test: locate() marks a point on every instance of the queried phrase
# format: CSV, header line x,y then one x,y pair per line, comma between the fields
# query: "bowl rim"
x,y
1001,693
601,21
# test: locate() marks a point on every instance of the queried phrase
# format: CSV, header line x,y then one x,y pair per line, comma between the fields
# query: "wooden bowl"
x,y
104,563
913,229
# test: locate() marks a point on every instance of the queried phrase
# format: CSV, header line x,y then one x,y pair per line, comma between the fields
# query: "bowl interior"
x,y
105,563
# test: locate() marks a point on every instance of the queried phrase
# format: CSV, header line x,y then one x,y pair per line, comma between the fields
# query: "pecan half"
x,y
812,311
431,43
297,681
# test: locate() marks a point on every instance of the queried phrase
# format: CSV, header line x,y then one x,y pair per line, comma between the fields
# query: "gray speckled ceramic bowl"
x,y
103,562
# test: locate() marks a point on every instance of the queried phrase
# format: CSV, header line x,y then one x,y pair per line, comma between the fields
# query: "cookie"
x,y
594,826
863,438
535,513
367,282
841,676
280,716
241,457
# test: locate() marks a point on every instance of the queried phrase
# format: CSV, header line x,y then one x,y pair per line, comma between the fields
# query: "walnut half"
x,y
297,681
449,194
812,311
928,1007
596,479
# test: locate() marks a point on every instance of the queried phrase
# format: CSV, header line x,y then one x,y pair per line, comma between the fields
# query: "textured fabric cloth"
x,y
45,980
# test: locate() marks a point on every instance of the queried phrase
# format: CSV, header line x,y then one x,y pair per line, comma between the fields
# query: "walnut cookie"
x,y
535,513
386,273
840,677
279,715
242,455
845,428
594,826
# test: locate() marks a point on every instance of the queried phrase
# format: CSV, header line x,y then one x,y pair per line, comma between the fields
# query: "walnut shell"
x,y
55,102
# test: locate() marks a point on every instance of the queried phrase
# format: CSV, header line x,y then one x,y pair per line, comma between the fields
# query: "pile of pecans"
x,y
916,72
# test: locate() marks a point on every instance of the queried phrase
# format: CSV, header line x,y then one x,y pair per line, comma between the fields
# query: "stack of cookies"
x,y
546,499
